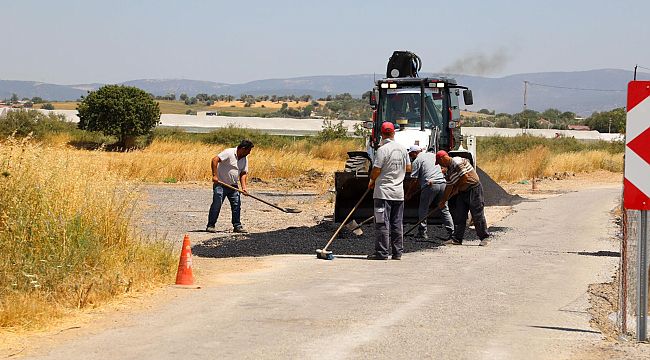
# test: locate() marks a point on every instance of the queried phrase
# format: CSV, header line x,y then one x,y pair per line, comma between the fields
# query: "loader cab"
x,y
424,111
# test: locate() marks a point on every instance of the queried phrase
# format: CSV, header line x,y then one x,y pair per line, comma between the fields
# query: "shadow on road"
x,y
564,329
305,240
596,253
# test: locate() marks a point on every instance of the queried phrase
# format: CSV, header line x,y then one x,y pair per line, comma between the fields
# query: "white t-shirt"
x,y
230,168
392,158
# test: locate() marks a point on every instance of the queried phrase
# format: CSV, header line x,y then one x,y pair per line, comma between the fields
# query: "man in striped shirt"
x,y
465,193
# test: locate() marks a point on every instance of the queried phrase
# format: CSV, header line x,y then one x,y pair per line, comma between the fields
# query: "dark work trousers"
x,y
218,193
433,194
472,200
390,232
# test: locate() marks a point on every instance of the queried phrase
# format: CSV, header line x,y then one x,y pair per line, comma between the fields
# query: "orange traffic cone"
x,y
184,275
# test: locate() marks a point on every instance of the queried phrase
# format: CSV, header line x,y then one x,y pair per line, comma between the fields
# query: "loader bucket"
x,y
350,186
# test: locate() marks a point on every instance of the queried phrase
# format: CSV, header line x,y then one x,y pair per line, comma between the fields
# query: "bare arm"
x,y
449,190
243,179
215,166
374,174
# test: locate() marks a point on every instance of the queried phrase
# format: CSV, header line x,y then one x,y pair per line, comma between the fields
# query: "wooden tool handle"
x,y
346,219
251,195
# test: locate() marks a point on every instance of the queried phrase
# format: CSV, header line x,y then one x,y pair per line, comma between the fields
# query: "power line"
x,y
573,88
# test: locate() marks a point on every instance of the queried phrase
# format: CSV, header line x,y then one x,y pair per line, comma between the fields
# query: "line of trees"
x,y
246,98
606,121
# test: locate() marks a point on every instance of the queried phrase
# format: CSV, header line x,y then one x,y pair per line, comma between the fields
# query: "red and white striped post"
x,y
636,191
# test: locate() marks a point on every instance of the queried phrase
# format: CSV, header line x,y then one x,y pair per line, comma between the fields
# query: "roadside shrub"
x,y
39,125
332,131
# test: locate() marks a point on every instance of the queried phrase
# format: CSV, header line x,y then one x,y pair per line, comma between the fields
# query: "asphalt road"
x,y
524,296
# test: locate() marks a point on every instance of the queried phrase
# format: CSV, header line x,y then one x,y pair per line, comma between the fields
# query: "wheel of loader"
x,y
357,164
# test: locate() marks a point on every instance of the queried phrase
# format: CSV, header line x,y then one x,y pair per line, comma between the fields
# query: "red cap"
x,y
440,154
387,127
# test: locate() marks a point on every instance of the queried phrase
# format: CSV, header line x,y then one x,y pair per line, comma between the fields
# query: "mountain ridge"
x,y
582,92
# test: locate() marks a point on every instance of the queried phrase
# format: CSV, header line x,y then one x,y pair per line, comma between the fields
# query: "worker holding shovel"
x,y
229,168
387,179
432,188
465,193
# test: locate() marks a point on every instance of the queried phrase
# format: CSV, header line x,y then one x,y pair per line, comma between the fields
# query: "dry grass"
x,y
61,105
181,161
539,162
66,236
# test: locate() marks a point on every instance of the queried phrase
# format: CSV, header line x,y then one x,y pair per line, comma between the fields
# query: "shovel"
x,y
287,210
355,228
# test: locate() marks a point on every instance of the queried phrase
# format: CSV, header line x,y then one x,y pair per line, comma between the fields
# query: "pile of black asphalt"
x,y
494,194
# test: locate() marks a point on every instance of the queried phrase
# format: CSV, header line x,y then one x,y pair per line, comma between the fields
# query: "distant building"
x,y
578,127
207,113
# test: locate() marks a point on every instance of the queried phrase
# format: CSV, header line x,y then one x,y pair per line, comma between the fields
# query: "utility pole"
x,y
609,129
525,107
635,66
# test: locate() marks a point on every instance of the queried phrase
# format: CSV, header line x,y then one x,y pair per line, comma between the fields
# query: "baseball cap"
x,y
440,154
387,127
414,148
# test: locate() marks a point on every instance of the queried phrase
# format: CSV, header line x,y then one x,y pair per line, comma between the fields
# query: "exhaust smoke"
x,y
479,63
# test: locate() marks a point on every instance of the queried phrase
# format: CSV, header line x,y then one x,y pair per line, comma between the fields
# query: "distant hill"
x,y
503,94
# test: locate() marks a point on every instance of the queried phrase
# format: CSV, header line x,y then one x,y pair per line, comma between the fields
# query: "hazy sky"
x,y
72,42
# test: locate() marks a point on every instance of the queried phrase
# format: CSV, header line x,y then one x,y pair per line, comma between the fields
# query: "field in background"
x,y
234,107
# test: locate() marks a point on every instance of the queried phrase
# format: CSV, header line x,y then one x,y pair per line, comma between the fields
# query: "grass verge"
x,y
525,157
66,238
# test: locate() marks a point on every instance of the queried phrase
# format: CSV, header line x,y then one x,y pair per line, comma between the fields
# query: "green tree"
x,y
552,115
14,98
118,110
613,120
47,106
526,119
307,110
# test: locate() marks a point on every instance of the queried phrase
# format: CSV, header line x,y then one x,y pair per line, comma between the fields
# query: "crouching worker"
x,y
464,192
387,179
432,189
229,167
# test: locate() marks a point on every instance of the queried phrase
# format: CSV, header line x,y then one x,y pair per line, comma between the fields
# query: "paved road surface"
x,y
524,296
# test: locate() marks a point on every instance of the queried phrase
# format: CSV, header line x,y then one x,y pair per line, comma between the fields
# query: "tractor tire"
x,y
357,164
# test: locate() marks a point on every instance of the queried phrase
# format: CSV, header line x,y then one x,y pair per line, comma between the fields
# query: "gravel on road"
x,y
178,209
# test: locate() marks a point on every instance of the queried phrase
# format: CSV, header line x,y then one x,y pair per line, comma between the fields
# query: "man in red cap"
x,y
465,193
387,179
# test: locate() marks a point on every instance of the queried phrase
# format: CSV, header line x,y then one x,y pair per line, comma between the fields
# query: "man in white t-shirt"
x,y
229,167
387,178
